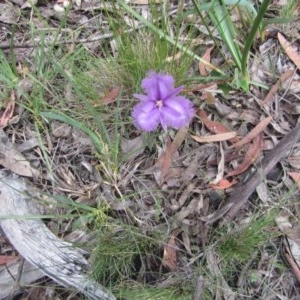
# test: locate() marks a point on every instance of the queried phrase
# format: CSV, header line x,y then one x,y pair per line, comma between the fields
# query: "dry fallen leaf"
x,y
9,110
9,13
287,46
223,184
187,243
185,195
221,166
260,127
285,76
170,257
132,148
215,138
109,98
296,177
223,291
206,57
263,192
290,250
251,155
209,98
291,242
215,127
13,160
164,162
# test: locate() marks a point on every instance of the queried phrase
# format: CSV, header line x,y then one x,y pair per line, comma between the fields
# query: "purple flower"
x,y
161,105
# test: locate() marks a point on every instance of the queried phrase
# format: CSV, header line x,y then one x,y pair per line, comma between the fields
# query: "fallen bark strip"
x,y
245,189
55,258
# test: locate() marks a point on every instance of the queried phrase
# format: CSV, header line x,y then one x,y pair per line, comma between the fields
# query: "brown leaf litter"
x,y
251,156
9,110
176,187
245,189
216,127
287,46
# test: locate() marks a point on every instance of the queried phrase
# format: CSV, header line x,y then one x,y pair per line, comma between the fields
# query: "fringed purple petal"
x,y
173,93
165,85
161,105
146,116
178,112
149,85
157,85
141,97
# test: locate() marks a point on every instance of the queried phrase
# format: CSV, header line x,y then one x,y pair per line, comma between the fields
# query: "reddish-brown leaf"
x,y
165,160
109,98
296,177
287,46
213,126
170,257
206,57
9,110
223,184
260,127
285,76
293,264
4,260
251,155
209,98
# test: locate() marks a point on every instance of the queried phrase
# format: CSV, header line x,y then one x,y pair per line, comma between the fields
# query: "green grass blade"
x,y
257,22
66,119
163,35
243,3
221,18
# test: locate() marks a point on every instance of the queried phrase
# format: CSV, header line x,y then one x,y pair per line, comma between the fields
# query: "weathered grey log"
x,y
38,245
9,274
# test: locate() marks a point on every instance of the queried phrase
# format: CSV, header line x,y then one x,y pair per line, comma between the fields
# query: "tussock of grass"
x,y
121,252
240,243
151,294
288,11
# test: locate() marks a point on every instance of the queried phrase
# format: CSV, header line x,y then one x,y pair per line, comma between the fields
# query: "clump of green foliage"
x,y
240,243
120,253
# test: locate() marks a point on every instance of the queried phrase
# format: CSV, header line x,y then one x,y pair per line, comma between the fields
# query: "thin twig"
x,y
17,284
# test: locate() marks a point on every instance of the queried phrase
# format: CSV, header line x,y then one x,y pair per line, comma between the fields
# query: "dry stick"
x,y
288,256
199,288
245,189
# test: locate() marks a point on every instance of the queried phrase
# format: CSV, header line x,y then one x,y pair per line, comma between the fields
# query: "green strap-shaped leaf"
x,y
78,125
